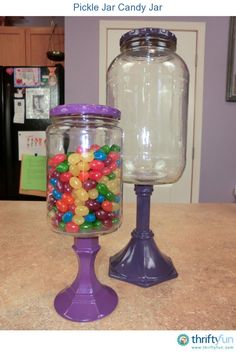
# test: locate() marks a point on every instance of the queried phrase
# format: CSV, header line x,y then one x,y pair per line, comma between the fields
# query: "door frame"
x,y
199,28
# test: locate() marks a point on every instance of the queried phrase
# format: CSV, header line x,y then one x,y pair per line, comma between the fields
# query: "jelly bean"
x,y
59,215
83,166
62,167
114,156
87,156
113,166
54,222
86,226
74,169
96,165
56,194
117,199
104,179
107,206
92,204
65,176
89,184
67,188
97,224
117,172
111,176
102,188
99,155
74,158
115,206
53,181
79,202
101,214
111,215
115,220
55,174
100,198
95,175
72,208
108,161
106,171
59,186
81,210
50,188
67,217
75,183
56,159
62,206
111,184
107,223
118,163
110,196
78,220
72,227
115,148
83,176
105,148
93,193
67,198
94,147
82,194
51,214
90,217
62,226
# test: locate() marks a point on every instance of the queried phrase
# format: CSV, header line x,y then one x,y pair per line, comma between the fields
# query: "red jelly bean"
x,y
56,159
62,206
95,175
108,161
72,227
65,176
111,215
107,206
101,215
96,165
67,198
113,166
106,171
114,156
92,204
72,208
83,176
107,223
89,184
94,147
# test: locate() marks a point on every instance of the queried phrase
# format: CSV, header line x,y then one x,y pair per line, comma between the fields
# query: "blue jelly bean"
x,y
56,194
90,217
100,198
100,155
118,162
53,181
117,199
67,217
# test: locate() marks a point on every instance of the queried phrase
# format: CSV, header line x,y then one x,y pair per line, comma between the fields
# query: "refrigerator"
x,y
27,93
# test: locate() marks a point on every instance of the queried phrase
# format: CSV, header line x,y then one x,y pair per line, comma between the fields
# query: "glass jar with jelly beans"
x,y
84,187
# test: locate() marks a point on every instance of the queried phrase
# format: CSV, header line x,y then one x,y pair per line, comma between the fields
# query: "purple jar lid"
x,y
148,33
86,109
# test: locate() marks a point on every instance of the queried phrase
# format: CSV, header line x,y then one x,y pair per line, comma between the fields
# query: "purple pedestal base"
x,y
86,299
141,262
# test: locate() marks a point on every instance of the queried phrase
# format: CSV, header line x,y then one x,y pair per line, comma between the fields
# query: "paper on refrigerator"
x,y
31,143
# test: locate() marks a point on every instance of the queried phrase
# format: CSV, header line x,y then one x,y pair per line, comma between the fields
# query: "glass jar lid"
x,y
149,33
85,109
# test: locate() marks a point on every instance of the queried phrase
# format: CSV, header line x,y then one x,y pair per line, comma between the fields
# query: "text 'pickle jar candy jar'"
x,y
148,82
84,198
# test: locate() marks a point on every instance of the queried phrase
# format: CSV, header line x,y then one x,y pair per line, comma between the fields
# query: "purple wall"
x,y
218,164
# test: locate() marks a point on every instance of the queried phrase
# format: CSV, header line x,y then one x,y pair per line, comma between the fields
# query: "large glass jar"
x,y
84,194
149,82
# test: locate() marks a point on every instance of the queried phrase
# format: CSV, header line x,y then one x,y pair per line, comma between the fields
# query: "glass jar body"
x,y
149,84
84,192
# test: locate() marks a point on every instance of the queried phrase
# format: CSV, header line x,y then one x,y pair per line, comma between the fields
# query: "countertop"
x,y
35,264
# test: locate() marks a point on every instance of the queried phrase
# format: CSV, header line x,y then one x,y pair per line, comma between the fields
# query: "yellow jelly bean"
x,y
87,156
116,190
81,210
115,206
78,202
75,182
83,166
111,185
93,193
117,172
74,169
74,158
78,220
104,179
82,194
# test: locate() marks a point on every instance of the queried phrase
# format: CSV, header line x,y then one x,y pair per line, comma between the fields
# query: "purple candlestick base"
x,y
141,262
86,299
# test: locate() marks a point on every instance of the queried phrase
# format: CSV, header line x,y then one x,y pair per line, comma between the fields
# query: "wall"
x,y
218,164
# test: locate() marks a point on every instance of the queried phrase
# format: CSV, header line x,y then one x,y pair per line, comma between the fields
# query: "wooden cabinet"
x,y
28,45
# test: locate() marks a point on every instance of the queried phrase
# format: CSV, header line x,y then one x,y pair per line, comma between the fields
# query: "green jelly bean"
x,y
97,224
62,167
62,226
115,221
54,208
105,148
86,226
111,176
102,189
115,148
110,196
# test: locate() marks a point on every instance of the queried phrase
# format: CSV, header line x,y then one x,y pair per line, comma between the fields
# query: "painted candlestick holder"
x,y
86,299
141,262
